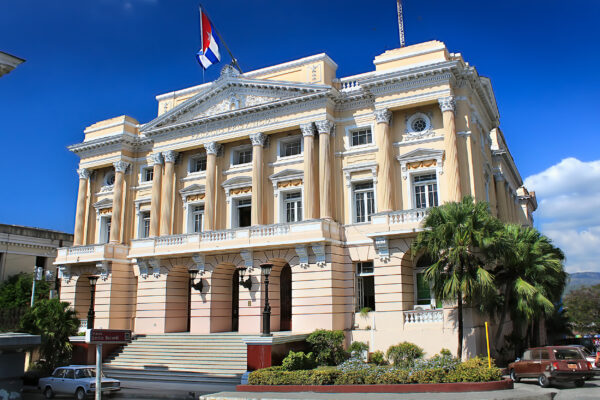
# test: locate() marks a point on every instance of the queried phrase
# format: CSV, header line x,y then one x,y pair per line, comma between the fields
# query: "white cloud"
x,y
568,212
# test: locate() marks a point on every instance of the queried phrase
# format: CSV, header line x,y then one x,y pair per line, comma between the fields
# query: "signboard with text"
x,y
105,336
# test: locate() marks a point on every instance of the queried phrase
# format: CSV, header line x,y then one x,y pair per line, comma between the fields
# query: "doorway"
x,y
285,296
235,301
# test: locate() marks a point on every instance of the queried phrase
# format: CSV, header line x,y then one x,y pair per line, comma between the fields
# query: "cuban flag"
x,y
209,54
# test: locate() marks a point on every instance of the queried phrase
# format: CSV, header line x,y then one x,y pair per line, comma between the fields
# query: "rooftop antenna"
x,y
400,23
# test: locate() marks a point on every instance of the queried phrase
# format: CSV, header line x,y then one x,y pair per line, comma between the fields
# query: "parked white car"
x,y
589,356
78,380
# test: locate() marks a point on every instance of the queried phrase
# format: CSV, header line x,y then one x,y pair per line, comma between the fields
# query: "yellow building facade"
x,y
326,178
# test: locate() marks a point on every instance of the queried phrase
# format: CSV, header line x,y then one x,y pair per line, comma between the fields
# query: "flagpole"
x,y
233,59
201,38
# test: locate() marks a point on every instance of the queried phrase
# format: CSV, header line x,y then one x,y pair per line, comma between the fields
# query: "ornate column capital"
x,y
170,156
156,159
324,126
383,116
308,129
121,166
213,148
83,173
258,139
447,103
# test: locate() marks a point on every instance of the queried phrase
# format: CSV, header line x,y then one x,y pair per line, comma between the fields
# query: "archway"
x,y
285,298
224,287
177,313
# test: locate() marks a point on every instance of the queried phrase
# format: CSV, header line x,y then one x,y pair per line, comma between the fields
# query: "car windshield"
x,y
566,354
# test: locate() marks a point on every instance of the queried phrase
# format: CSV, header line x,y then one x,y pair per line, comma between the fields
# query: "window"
x,y
364,202
109,178
69,374
243,212
105,229
526,355
290,147
419,125
425,189
365,286
197,218
147,174
424,298
242,156
144,224
293,206
361,137
58,373
197,164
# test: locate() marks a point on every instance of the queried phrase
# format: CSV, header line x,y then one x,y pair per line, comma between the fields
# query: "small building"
x,y
13,348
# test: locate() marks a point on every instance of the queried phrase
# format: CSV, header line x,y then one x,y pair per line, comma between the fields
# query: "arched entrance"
x,y
285,296
224,299
177,311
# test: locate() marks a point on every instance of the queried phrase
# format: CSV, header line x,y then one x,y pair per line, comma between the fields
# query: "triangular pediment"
x,y
238,181
102,204
421,154
193,189
287,174
230,95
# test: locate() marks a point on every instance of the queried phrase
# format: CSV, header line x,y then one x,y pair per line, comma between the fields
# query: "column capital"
x,y
308,129
213,148
156,159
121,166
383,116
324,126
447,103
170,156
258,139
83,173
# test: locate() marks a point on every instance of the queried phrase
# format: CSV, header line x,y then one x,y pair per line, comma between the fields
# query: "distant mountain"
x,y
579,279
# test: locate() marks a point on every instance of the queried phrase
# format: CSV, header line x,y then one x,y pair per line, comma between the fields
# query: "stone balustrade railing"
x,y
407,216
269,230
423,316
79,250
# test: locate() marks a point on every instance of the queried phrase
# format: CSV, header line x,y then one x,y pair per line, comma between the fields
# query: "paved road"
x,y
564,391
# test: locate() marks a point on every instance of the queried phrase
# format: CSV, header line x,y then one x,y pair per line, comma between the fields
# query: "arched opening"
x,y
177,312
82,299
224,300
285,298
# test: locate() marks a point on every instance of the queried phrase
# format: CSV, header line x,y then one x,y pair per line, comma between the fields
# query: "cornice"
x,y
125,141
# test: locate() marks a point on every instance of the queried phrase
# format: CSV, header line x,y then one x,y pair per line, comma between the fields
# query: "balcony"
x,y
287,234
423,316
91,253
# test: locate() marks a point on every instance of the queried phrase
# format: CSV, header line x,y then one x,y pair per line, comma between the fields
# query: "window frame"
x,y
353,200
359,285
142,234
235,217
284,201
235,151
349,130
418,115
103,233
193,159
411,184
433,304
107,178
286,140
143,174
190,225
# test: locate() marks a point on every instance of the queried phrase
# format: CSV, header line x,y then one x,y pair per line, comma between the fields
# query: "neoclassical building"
x,y
326,178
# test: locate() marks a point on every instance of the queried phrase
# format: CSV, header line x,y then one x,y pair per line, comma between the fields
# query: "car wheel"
x,y
543,381
48,392
513,376
80,394
579,382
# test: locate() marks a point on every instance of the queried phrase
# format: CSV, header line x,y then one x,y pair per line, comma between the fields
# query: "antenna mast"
x,y
400,22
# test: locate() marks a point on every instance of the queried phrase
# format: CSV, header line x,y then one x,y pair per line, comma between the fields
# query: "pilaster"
x,y
385,179
447,106
258,141
117,214
212,151
157,161
166,209
84,175
311,197
325,166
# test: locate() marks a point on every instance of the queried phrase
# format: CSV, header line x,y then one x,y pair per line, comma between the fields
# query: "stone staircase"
x,y
180,358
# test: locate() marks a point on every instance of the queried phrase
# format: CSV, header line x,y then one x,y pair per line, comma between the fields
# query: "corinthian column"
x,y
84,175
166,206
385,180
212,150
117,209
157,160
325,165
311,198
258,141
447,105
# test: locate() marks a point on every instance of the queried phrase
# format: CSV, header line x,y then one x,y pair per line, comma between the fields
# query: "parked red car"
x,y
551,363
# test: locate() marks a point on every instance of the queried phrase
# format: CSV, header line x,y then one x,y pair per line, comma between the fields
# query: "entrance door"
x,y
235,301
285,287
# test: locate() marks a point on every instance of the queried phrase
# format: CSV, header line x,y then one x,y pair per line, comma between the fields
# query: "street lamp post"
x,y
91,313
37,276
193,273
266,328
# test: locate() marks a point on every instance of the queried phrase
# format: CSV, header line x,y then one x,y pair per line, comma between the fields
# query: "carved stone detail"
x,y
324,126
319,250
383,116
248,260
213,148
308,129
84,173
154,263
64,272
102,266
447,103
229,71
121,166
170,156
143,267
156,159
258,139
302,252
382,248
199,261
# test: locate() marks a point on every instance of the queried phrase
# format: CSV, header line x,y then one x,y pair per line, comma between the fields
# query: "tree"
x,y
55,321
583,309
456,237
15,292
529,275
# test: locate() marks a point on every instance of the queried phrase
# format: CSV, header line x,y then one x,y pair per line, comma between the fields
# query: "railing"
x,y
170,240
218,236
269,230
78,250
349,85
423,316
406,216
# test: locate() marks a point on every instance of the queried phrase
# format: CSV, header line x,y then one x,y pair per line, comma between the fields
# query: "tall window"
x,y
423,294
242,156
291,147
364,201
198,164
197,218
425,189
365,286
145,224
293,206
243,211
105,229
361,136
147,174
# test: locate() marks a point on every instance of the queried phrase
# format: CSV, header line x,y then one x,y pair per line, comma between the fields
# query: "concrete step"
x,y
143,375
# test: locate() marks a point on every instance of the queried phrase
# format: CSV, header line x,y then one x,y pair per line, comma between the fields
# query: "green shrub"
x,y
474,370
323,376
404,354
433,375
328,346
358,348
352,378
445,352
270,376
298,360
377,358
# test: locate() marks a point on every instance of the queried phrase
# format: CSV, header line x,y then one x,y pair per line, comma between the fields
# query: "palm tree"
x,y
456,237
529,275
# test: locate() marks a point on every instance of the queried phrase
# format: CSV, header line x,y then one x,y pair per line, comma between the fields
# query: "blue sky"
x,y
88,60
